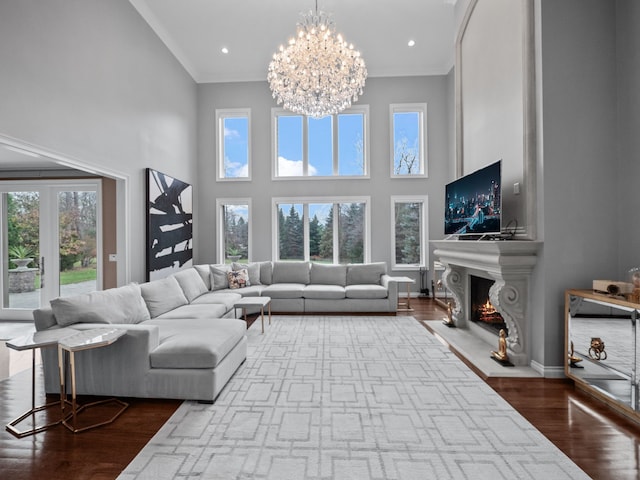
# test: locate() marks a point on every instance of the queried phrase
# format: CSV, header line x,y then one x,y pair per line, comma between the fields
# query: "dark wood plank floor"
x,y
602,442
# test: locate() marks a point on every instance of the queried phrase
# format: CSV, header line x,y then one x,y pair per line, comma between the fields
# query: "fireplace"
x,y
489,283
481,310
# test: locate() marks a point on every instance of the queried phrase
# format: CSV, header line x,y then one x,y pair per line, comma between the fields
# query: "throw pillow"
x,y
252,268
238,278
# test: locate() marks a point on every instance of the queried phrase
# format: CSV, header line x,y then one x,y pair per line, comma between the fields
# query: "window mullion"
x,y
336,237
305,228
335,141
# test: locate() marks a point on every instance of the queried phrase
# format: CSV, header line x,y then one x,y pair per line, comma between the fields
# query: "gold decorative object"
x,y
501,354
449,321
596,350
573,360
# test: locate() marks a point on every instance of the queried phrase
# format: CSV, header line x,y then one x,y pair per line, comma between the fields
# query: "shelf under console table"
x,y
601,341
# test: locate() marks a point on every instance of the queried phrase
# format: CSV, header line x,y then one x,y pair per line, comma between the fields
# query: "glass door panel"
x,y
77,242
22,278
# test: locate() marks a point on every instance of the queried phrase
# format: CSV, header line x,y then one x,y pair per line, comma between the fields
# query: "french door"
x,y
51,243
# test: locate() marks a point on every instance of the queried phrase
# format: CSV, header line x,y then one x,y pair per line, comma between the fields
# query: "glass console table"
x,y
601,345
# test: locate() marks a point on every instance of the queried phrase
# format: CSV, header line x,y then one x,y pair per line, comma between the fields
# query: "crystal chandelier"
x,y
318,73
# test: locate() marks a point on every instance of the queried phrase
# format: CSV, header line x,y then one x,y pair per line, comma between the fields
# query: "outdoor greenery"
x,y
321,243
407,233
236,234
77,211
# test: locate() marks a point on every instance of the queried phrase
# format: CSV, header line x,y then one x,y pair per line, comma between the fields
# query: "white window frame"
x,y
424,233
305,201
221,202
421,109
221,115
359,109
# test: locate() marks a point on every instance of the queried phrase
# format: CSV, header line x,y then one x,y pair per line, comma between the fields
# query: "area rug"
x,y
332,397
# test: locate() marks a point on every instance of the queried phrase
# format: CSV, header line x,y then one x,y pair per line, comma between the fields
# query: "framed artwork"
x,y
169,224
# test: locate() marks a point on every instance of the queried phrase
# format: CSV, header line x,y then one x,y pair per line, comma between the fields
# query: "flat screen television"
x,y
473,203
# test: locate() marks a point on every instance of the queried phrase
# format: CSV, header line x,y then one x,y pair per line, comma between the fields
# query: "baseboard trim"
x,y
547,372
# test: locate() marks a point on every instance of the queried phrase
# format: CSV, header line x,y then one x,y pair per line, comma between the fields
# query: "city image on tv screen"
x,y
473,203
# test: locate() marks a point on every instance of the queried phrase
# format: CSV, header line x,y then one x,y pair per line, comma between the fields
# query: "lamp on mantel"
x,y
318,73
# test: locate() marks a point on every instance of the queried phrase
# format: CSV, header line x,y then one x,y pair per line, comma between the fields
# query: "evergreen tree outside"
x,y
407,233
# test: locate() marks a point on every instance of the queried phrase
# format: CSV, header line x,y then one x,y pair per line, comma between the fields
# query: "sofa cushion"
x,y
253,269
191,283
284,290
328,274
290,272
202,310
204,344
219,276
365,291
266,273
115,305
225,297
324,292
238,279
162,295
205,273
363,273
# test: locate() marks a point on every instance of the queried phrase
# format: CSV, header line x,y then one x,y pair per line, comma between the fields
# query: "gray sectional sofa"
x,y
182,338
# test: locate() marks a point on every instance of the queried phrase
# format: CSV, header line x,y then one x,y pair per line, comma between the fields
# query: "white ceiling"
x,y
196,30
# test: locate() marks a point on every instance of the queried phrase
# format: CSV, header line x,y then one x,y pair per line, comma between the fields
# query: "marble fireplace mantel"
x,y
509,264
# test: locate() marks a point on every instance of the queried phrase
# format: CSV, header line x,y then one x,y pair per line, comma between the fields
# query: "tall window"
x,y
234,225
233,140
409,231
332,146
408,133
322,230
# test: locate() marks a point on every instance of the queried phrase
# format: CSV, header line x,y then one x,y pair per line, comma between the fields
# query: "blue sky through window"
x,y
406,142
350,146
236,147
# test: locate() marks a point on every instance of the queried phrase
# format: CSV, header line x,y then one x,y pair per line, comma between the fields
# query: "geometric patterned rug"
x,y
338,397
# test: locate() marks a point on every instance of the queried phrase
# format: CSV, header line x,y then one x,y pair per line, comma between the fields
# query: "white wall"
x,y
90,80
378,94
628,126
578,160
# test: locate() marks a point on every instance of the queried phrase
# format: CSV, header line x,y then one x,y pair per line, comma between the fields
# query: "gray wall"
x,y
628,126
378,94
577,160
90,80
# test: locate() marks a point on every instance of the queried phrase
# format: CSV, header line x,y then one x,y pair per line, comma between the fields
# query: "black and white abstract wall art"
x,y
169,224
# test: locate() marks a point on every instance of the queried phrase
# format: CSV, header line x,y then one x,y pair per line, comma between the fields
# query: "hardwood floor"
x,y
603,443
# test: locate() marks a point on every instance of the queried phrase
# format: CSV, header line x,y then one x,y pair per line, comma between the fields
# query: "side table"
x,y
405,306
84,340
246,302
33,341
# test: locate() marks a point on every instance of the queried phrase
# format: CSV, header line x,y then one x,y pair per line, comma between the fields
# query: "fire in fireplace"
x,y
483,313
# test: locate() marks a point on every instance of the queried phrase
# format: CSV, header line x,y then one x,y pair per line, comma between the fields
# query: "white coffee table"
x,y
84,340
33,341
246,302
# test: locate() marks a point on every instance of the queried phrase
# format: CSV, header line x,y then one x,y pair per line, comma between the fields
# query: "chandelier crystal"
x,y
318,73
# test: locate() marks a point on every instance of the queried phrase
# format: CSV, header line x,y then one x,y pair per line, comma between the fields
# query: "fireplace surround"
x,y
508,264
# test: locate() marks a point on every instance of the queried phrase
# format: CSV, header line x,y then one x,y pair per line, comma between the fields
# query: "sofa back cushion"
x,y
205,273
291,272
191,283
328,274
162,295
219,276
266,273
365,273
115,305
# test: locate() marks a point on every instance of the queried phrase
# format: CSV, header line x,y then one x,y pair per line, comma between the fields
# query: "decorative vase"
x,y
22,262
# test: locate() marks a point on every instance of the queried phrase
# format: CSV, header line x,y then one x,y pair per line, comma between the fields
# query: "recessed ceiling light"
x,y
224,50
411,43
